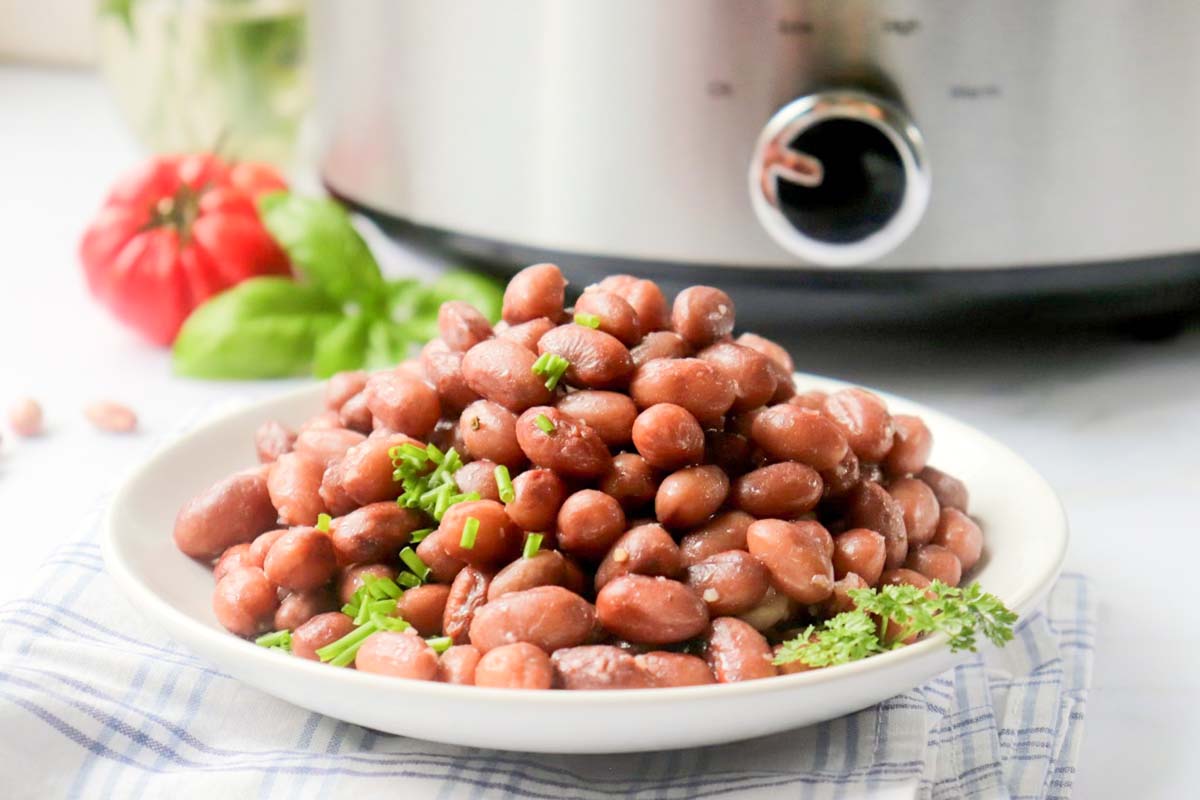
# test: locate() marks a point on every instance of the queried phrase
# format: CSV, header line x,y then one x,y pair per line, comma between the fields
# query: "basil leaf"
x,y
481,291
387,344
323,245
342,347
261,328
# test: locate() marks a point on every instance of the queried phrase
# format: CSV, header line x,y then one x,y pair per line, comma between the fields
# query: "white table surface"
x,y
1113,424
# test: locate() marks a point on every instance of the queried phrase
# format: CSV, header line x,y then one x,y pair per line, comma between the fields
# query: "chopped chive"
x,y
533,543
276,640
590,320
414,562
408,580
552,367
504,484
341,652
351,609
435,455
323,521
440,644
374,608
389,623
543,422
469,532
416,537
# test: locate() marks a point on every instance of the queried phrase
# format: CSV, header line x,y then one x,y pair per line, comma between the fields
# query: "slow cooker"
x,y
828,159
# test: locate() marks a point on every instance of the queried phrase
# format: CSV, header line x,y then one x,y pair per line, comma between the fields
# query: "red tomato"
x,y
174,232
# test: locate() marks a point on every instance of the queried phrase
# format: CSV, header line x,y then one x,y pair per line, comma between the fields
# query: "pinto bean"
x,y
786,489
546,568
777,353
527,333
674,669
424,607
660,344
326,445
668,436
233,558
497,539
840,600
919,506
515,666
535,291
729,583
467,595
702,315
597,360
859,551
478,477
959,534
949,490
302,558
501,370
244,601
489,431
342,386
726,531
462,326
749,371
442,566
335,498
229,512
651,610
397,655
690,496
642,550
729,451
789,433
798,566
571,448
299,607
326,419
841,479
319,631
691,383
443,369
366,471
630,480
813,399
617,318
774,609
403,403
903,577
375,532
457,665
537,496
256,556
911,445
549,617
352,578
610,414
736,652
355,414
588,523
643,296
863,419
936,563
598,667
272,439
870,506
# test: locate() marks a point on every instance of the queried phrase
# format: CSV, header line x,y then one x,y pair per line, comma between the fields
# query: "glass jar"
x,y
224,75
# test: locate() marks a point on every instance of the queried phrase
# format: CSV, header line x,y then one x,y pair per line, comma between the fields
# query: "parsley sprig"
x,y
962,613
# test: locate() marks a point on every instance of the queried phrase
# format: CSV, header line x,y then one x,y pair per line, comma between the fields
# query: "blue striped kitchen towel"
x,y
95,702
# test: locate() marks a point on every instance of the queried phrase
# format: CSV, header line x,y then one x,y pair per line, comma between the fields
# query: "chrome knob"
x,y
839,177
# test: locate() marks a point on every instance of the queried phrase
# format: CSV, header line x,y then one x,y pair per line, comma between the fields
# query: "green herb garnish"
x,y
533,543
427,475
552,367
416,537
504,484
469,532
414,562
342,652
544,424
323,521
276,640
587,320
408,580
440,644
961,613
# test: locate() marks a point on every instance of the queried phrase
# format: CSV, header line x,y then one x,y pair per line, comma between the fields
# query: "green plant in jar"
x,y
193,74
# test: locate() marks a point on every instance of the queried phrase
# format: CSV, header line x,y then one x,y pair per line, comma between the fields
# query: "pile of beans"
x,y
695,508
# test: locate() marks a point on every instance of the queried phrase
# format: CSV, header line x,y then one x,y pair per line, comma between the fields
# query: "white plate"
x,y
1025,542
